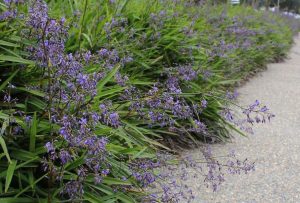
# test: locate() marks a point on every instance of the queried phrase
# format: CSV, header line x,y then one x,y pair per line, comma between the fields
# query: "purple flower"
x,y
203,103
50,148
255,104
187,73
83,121
228,115
114,119
98,179
264,109
7,98
232,95
28,120
64,156
74,189
82,172
105,172
87,56
17,130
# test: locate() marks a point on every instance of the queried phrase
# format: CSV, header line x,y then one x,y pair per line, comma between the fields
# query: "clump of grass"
x,y
91,96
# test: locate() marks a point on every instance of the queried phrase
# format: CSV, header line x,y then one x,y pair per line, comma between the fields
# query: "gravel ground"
x,y
275,146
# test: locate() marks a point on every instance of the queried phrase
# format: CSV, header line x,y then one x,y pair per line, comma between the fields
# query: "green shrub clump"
x,y
92,90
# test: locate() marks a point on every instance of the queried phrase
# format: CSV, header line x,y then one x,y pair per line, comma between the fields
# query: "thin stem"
x,y
81,27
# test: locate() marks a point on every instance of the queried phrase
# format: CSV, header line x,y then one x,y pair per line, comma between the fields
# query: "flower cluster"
x,y
70,91
164,107
12,11
115,25
143,170
174,184
254,113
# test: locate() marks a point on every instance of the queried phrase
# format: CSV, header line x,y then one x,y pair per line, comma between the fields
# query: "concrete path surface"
x,y
275,146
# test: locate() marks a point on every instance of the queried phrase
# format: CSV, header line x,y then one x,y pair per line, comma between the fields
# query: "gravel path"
x,y
275,147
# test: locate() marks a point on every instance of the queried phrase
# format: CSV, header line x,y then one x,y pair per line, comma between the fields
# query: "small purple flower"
x,y
50,148
255,104
87,56
199,127
17,130
187,73
28,120
7,98
65,156
264,109
105,172
114,119
228,115
103,52
232,95
203,103
74,189
82,172
83,121
98,178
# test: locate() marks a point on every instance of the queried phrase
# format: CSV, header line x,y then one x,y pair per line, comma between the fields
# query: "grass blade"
x,y
9,44
2,141
3,85
15,59
18,200
33,130
107,78
9,174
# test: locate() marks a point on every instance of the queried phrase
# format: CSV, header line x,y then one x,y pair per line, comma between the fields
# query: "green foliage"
x,y
21,176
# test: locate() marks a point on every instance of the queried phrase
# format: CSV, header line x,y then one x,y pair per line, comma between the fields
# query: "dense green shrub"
x,y
90,96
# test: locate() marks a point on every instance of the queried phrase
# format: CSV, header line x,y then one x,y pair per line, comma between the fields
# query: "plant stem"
x,y
81,27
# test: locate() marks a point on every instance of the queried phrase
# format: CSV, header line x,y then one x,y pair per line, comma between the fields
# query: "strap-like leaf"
x,y
9,174
2,141
33,130
15,59
3,85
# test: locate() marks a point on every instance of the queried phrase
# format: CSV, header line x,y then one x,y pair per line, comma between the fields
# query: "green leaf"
x,y
23,164
2,141
33,133
23,155
125,198
107,78
1,187
124,5
15,59
21,200
92,198
115,90
3,85
103,188
88,39
139,153
34,92
2,155
30,186
115,181
9,174
75,163
9,44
